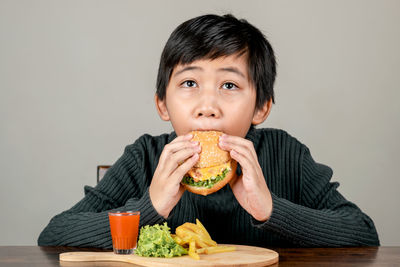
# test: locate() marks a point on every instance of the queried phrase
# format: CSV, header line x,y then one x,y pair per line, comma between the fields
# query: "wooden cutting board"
x,y
243,256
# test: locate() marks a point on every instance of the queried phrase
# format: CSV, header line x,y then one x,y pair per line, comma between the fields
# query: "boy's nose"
x,y
208,104
207,112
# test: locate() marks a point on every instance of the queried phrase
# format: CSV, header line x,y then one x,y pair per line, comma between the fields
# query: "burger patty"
x,y
208,183
200,174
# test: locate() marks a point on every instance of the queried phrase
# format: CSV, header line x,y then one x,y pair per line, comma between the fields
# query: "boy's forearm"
x,y
86,224
320,216
84,229
344,226
91,229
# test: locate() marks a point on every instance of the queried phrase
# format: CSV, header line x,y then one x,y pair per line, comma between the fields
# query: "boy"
x,y
217,73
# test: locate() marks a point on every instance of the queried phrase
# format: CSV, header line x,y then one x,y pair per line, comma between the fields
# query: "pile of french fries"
x,y
198,240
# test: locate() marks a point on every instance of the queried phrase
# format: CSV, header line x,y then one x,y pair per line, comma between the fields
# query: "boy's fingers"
x,y
235,179
179,143
184,168
175,147
239,149
245,162
241,145
248,166
185,137
178,158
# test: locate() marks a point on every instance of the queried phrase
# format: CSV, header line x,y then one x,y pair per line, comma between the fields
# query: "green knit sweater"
x,y
307,208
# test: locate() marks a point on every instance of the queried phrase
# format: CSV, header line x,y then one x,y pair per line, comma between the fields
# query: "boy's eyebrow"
x,y
227,69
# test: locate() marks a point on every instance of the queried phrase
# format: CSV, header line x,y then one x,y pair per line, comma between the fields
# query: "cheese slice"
x,y
201,174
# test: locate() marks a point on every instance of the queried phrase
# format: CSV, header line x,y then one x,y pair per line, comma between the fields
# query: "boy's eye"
x,y
229,86
189,83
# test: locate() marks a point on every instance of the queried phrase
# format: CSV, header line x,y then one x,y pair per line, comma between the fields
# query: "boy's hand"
x,y
250,189
177,158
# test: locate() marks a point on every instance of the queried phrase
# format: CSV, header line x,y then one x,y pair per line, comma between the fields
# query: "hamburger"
x,y
215,167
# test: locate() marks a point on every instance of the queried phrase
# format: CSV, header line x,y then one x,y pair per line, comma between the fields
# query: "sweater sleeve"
x,y
86,224
323,218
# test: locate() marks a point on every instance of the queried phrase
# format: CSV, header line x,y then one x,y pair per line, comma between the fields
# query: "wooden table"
x,y
337,257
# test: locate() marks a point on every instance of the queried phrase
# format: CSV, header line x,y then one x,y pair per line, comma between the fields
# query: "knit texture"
x,y
307,211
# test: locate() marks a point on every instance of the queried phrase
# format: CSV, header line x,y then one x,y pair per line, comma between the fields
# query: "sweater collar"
x,y
252,135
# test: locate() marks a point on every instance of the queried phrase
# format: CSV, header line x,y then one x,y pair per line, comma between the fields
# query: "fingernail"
x,y
195,143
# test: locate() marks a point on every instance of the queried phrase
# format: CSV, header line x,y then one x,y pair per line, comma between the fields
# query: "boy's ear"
x,y
261,114
161,108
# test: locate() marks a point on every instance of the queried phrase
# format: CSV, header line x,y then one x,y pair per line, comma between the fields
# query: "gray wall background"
x,y
77,80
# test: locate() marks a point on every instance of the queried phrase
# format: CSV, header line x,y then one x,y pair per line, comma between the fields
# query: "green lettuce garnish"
x,y
156,241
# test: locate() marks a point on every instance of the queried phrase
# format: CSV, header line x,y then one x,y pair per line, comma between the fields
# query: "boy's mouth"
x,y
207,129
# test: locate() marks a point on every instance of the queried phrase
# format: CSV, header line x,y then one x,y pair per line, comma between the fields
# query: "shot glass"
x,y
124,227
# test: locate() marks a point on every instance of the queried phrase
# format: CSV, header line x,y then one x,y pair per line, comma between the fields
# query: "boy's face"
x,y
212,95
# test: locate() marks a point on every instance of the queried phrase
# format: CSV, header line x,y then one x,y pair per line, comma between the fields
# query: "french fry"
x,y
212,250
203,229
185,235
219,249
195,228
178,240
190,229
186,239
196,238
192,251
199,242
183,232
201,250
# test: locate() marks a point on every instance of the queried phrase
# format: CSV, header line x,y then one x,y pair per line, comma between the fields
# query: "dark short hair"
x,y
212,36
